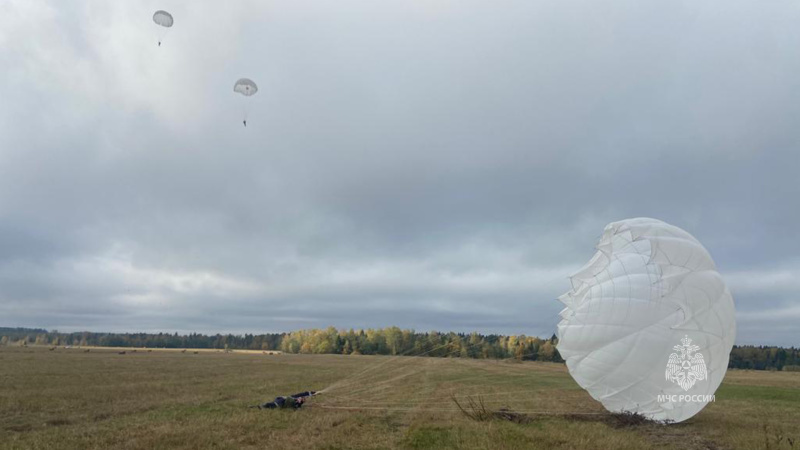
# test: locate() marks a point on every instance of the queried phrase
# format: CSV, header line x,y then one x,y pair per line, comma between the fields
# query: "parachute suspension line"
x,y
435,397
351,380
359,378
378,408
372,371
382,386
379,387
484,376
407,355
368,398
471,378
162,33
503,394
413,404
355,378
417,403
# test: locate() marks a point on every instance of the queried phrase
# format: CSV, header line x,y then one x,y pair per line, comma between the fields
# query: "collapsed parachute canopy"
x,y
649,322
163,18
245,86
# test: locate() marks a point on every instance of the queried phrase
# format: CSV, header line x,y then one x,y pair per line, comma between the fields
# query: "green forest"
x,y
381,341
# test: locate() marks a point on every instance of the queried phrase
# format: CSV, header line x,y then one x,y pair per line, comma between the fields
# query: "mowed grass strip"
x,y
71,399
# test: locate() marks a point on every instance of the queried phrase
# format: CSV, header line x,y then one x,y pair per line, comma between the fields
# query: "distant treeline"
x,y
23,336
765,358
394,341
385,341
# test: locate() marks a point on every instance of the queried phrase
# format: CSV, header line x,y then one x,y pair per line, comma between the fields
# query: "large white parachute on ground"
x,y
649,323
164,21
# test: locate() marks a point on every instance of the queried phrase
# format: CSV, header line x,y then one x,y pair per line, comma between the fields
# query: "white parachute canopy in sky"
x,y
164,22
246,87
649,323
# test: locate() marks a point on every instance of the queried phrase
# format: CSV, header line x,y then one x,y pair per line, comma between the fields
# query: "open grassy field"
x,y
68,398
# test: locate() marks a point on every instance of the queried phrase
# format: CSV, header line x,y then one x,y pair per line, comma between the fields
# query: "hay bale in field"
x,y
196,352
52,348
122,352
87,350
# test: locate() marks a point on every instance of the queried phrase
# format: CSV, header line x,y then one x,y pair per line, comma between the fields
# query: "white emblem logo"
x,y
686,367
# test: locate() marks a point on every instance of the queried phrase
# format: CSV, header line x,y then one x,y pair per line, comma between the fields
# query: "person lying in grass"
x,y
294,401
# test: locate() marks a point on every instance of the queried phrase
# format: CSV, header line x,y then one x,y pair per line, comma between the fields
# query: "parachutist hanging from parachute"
x,y
164,22
246,87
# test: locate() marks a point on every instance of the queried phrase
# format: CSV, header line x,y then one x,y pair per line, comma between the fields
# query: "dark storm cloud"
x,y
434,165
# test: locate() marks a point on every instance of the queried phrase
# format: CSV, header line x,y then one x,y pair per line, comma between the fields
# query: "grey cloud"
x,y
412,163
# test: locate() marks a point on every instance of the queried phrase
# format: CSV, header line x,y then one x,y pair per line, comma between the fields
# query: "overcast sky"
x,y
431,164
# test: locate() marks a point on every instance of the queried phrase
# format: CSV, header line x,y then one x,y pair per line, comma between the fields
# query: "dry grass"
x,y
68,398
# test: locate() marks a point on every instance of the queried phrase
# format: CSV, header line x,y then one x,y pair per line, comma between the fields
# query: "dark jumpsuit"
x,y
287,402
